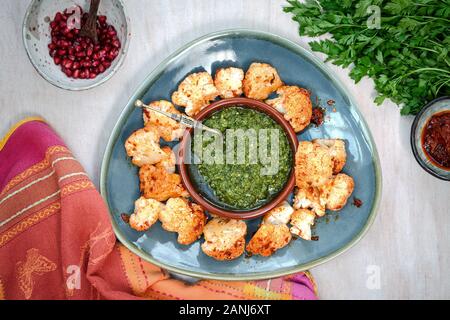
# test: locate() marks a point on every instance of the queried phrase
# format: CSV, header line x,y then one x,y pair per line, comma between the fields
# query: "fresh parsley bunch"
x,y
406,54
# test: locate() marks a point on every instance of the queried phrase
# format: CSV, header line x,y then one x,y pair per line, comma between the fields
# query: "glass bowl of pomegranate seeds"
x,y
61,56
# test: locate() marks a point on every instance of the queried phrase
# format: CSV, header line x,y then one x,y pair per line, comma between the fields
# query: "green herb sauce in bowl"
x,y
248,166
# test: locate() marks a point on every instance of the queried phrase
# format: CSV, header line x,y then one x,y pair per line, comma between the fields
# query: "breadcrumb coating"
x,y
143,147
261,79
295,104
146,213
156,183
195,92
229,82
224,238
184,217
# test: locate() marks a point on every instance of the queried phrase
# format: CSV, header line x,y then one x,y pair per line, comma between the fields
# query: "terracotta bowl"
x,y
216,208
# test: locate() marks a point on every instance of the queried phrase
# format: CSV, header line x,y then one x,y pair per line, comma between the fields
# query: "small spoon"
x,y
185,120
89,29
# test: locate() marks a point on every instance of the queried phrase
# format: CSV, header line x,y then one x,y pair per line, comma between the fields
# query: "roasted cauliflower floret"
x,y
337,151
229,82
224,238
143,147
168,163
310,198
295,104
313,165
338,190
156,183
279,215
269,238
261,79
183,217
301,221
168,128
146,213
195,92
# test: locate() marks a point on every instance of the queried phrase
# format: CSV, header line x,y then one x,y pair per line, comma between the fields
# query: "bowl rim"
x,y
151,78
245,103
413,137
123,52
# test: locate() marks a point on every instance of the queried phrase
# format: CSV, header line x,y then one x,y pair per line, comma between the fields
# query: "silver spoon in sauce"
x,y
184,120
89,28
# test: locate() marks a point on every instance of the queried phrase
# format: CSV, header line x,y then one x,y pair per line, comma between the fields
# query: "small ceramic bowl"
x,y
193,188
436,106
36,37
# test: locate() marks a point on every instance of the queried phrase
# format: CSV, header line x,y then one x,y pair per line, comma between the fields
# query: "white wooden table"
x,y
408,247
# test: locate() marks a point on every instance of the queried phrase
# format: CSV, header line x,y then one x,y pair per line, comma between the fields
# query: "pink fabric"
x,y
53,219
20,152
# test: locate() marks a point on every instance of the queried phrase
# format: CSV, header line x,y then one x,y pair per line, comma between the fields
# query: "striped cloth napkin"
x,y
56,240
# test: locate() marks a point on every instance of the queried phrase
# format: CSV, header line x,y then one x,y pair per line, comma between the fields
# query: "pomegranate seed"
x,y
52,46
111,31
76,73
62,52
58,17
68,64
68,72
101,19
53,24
63,43
101,68
116,43
57,60
114,53
66,31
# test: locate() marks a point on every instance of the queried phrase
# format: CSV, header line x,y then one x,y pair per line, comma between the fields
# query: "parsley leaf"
x,y
407,56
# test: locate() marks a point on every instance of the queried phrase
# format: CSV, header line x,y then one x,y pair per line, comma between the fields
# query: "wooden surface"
x,y
408,247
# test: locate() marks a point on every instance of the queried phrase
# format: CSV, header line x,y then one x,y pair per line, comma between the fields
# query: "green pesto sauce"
x,y
241,185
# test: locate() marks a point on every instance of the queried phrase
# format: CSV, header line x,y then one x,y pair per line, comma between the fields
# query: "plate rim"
x,y
154,75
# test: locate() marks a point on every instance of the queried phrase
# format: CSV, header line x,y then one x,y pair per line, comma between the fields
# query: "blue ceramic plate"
x,y
337,231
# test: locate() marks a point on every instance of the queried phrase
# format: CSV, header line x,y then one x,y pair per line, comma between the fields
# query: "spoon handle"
x,y
185,120
90,27
93,9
